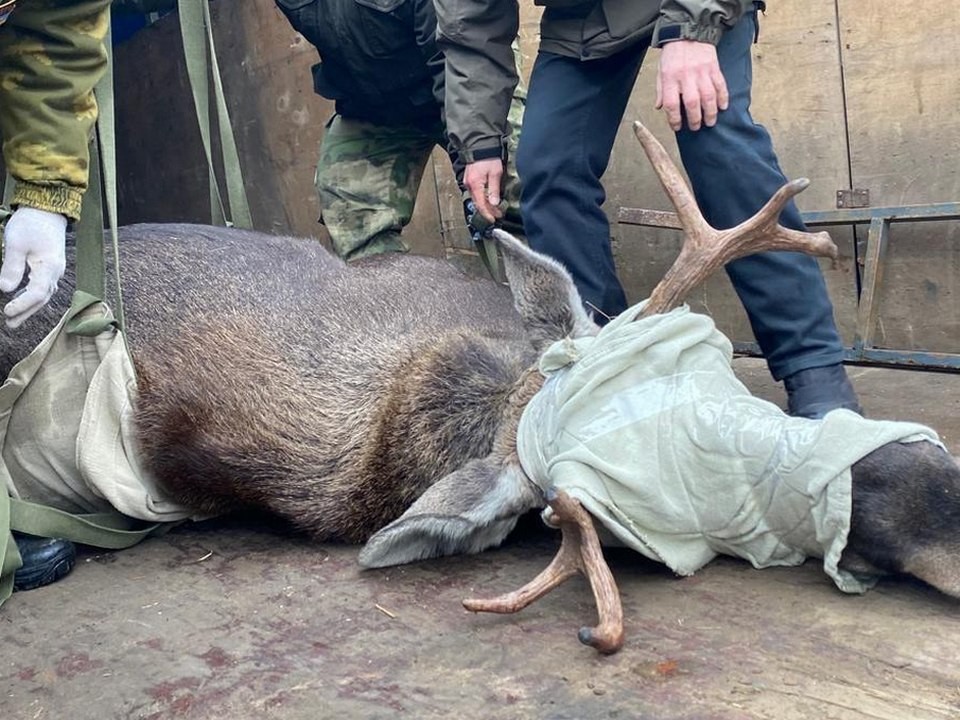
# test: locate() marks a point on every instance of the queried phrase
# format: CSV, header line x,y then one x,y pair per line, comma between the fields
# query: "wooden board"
x,y
277,119
903,93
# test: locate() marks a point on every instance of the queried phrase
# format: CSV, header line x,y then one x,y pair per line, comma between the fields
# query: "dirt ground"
x,y
234,620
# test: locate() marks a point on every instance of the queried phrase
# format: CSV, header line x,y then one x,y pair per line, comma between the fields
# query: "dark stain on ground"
x,y
69,666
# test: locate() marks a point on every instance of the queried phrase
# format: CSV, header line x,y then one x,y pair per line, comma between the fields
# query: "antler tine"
x,y
764,225
580,551
691,220
770,212
706,249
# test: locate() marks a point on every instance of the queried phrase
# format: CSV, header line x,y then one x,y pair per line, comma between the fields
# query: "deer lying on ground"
x,y
380,402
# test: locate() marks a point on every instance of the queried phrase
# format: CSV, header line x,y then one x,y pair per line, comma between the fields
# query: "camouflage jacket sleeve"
x,y
51,56
481,73
702,20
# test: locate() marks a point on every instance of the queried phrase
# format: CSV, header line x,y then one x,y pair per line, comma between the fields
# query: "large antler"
x,y
580,551
704,250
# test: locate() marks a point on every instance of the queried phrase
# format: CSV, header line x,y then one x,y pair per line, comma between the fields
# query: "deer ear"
x,y
543,293
467,511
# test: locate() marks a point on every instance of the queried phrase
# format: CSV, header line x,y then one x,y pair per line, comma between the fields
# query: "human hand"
x,y
482,179
690,73
33,239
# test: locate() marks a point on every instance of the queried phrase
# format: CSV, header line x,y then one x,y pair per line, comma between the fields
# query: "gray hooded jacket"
x,y
475,36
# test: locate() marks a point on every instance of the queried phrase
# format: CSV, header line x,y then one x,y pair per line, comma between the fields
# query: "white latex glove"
x,y
35,239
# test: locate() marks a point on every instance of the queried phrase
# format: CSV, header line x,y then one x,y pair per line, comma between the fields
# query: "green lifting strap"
x,y
106,135
108,530
101,191
88,230
7,190
196,29
9,555
111,530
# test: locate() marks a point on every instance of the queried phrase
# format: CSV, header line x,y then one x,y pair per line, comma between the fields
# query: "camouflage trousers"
x,y
368,176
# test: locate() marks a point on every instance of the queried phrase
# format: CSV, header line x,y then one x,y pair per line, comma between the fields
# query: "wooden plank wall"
x,y
888,70
855,93
277,118
903,97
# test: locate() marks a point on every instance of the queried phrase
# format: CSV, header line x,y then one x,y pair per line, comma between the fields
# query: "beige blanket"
x,y
66,428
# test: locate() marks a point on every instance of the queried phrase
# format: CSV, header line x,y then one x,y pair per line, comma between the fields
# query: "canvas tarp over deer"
x,y
647,426
67,435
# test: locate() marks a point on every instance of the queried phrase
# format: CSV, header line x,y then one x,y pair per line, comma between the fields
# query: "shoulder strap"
x,y
201,59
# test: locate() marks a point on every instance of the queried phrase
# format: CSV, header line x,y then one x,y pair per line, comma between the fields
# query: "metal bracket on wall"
x,y
868,305
855,198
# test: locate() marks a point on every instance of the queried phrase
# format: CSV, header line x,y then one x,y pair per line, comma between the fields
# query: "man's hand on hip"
x,y
483,179
690,74
33,239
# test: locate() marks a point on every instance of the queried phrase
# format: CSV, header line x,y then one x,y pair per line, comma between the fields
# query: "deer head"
x,y
705,249
478,505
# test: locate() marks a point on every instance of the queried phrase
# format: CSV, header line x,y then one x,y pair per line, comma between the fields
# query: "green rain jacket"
x,y
475,36
51,57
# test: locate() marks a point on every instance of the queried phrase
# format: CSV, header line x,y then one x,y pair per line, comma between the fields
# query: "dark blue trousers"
x,y
574,109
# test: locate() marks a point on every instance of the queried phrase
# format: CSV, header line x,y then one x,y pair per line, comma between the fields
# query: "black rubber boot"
x,y
814,392
45,560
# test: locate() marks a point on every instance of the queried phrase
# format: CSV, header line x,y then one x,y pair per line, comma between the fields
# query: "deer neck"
x,y
449,403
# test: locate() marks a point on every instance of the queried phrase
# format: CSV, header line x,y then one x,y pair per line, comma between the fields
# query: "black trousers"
x,y
574,109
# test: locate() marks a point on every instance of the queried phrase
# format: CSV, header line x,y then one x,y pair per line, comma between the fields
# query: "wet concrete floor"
x,y
233,619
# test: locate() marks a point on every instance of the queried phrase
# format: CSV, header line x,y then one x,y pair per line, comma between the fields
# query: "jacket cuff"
x,y
484,153
61,199
667,31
